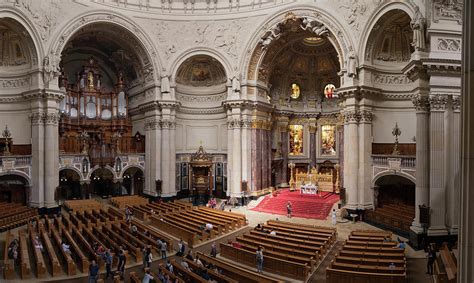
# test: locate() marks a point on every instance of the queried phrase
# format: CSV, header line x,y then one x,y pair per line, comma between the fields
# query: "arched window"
x,y
295,91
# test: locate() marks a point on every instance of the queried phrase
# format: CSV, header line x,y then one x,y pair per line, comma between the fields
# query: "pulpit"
x,y
201,172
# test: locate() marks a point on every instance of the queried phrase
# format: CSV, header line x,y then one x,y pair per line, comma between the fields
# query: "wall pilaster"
x,y
351,158
37,156
454,170
365,194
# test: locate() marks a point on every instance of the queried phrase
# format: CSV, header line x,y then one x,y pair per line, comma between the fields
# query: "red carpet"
x,y
307,206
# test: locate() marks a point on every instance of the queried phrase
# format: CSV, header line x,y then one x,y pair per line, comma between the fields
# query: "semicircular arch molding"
x,y
97,168
129,167
390,173
253,54
18,173
30,27
68,31
199,51
72,168
407,7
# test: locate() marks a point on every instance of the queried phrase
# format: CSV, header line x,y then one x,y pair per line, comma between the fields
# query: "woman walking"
x,y
259,258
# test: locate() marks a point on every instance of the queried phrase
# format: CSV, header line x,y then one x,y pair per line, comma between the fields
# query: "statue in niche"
x,y
165,84
50,70
417,24
90,79
269,36
352,64
235,84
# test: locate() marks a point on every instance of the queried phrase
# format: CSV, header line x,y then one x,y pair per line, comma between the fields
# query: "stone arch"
x,y
29,26
406,7
253,53
120,176
18,173
72,168
199,51
96,168
109,17
391,172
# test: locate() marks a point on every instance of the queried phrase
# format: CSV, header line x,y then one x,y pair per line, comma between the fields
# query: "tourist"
x,y
148,257
134,230
431,258
164,246
391,267
213,249
209,227
185,265
66,248
259,227
38,245
198,261
93,272
259,258
159,243
147,278
144,257
190,255
181,248
288,209
127,214
108,263
122,261
169,266
334,216
273,232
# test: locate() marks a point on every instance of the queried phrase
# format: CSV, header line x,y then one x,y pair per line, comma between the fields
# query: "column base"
x,y
366,206
35,204
417,229
150,193
437,231
454,230
351,206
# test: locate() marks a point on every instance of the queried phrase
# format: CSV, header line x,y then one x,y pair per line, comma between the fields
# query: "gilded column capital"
x,y
438,102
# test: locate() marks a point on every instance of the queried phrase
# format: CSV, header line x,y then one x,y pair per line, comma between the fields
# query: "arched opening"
x,y
133,181
394,203
102,183
13,188
69,185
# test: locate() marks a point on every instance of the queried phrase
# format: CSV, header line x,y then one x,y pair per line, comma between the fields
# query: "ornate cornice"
x,y
421,103
415,70
438,102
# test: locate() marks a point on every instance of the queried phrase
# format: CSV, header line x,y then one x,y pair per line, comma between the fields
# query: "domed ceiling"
x,y
311,62
16,46
201,71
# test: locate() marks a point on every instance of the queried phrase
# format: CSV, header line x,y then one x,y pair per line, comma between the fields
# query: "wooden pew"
x,y
273,265
154,234
25,267
191,226
76,251
9,264
236,272
86,245
212,273
185,274
136,252
38,256
55,266
223,226
367,268
134,278
337,276
70,265
224,214
187,236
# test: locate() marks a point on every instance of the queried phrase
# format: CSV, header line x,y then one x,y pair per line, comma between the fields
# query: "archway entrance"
x,y
13,188
133,181
394,203
69,185
102,183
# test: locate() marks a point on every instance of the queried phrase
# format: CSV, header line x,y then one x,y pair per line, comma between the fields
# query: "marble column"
x,y
254,153
455,168
51,157
237,155
37,157
365,160
437,166
351,158
466,232
152,153
312,145
284,146
172,166
230,151
165,157
246,152
422,190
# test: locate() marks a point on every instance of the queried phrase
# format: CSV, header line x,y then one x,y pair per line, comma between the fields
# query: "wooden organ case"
x,y
94,118
201,165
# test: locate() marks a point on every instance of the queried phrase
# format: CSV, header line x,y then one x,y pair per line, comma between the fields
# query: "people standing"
x,y
288,209
93,272
259,258
334,216
431,258
163,250
213,249
148,277
181,248
108,263
149,257
122,260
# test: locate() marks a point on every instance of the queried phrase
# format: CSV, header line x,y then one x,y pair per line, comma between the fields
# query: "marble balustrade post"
x,y
422,186
351,158
437,165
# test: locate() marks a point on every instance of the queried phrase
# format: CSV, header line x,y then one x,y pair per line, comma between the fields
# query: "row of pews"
x,y
14,214
445,265
368,256
294,251
227,272
182,220
393,216
82,205
81,230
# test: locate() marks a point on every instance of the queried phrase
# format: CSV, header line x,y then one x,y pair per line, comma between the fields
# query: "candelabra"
x,y
291,165
396,132
6,135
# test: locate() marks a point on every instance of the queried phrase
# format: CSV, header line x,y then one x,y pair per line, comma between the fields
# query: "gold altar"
x,y
324,181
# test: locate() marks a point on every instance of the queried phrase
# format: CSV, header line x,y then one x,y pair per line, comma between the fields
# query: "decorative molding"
x,y
365,116
421,103
456,104
386,79
351,117
37,118
448,44
438,102
152,124
201,98
447,10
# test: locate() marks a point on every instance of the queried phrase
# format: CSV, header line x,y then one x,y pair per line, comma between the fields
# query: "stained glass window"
x,y
328,140
296,139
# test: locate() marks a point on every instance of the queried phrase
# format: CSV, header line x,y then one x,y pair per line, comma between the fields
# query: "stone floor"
x,y
416,262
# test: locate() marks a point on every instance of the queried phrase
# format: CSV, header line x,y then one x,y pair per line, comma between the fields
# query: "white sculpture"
x,y
351,63
269,36
165,84
417,24
314,26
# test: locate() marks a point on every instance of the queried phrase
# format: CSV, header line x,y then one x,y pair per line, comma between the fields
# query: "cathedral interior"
x,y
356,112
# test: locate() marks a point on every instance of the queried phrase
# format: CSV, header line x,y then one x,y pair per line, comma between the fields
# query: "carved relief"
x,y
438,102
450,10
51,118
15,83
421,103
196,98
391,79
365,116
355,10
43,13
456,103
13,47
352,116
447,44
37,118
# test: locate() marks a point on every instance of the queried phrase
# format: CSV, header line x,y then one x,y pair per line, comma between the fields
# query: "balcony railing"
x,y
404,161
13,161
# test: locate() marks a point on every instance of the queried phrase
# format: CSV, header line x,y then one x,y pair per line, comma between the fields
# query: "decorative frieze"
x,y
201,98
391,79
447,10
449,44
421,103
15,83
438,102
